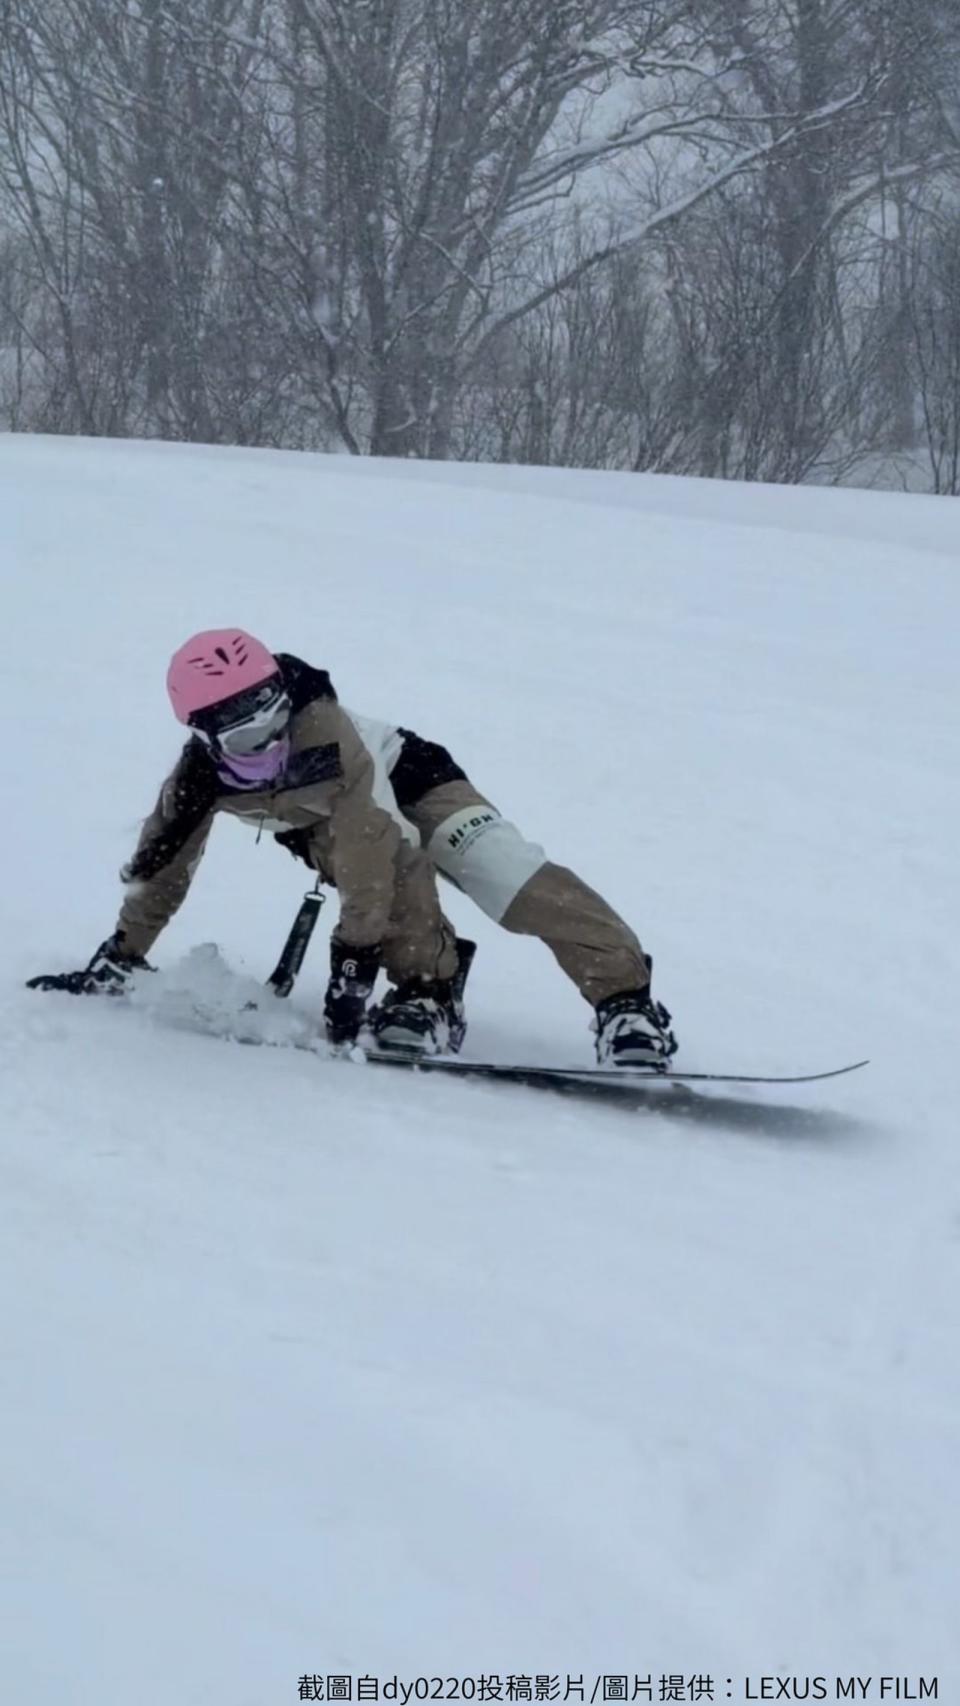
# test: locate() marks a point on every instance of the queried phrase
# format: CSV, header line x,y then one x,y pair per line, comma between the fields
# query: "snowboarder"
x,y
374,810
513,882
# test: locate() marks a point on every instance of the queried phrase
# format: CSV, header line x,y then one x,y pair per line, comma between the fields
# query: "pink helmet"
x,y
214,666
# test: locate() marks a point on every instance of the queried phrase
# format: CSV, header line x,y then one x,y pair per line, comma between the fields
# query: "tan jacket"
x,y
326,794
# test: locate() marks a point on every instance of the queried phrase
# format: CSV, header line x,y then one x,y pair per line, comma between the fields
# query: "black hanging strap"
x,y
284,975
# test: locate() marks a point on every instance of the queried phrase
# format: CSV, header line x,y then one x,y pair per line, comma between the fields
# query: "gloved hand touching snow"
x,y
108,973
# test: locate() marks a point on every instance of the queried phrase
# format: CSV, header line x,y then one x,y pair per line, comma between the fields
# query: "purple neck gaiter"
x,y
257,769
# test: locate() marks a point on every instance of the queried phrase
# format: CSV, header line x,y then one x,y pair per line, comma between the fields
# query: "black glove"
x,y
353,973
107,974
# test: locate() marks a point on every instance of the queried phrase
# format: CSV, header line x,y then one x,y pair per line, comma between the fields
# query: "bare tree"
x,y
933,314
448,144
672,233
124,132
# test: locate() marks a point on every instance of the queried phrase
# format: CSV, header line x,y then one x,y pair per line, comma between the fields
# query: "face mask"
x,y
255,769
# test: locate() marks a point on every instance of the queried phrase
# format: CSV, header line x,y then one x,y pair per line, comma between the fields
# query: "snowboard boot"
x,y
634,1030
412,1019
421,1017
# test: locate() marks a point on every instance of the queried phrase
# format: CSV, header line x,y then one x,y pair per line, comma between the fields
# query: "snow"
x,y
309,1369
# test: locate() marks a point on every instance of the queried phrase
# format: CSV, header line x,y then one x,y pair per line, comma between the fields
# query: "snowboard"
x,y
587,1078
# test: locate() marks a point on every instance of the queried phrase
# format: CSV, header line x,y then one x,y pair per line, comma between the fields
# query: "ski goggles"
x,y
249,723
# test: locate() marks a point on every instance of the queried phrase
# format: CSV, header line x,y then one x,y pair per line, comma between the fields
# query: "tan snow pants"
x,y
515,883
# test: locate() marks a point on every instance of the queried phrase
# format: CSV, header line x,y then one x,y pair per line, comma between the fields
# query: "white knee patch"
x,y
486,857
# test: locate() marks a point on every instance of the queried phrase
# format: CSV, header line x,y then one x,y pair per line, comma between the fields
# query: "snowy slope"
x,y
305,1370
